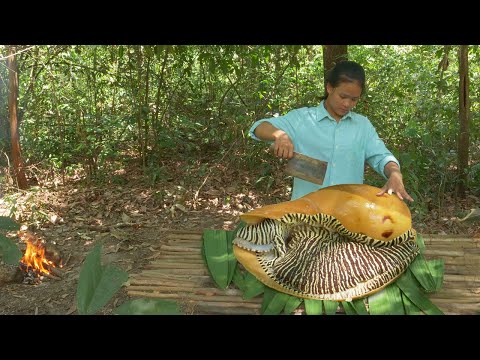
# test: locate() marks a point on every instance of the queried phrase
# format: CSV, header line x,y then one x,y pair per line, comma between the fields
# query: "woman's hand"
x,y
395,185
283,146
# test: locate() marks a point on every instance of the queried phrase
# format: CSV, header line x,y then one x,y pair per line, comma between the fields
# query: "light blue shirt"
x,y
345,145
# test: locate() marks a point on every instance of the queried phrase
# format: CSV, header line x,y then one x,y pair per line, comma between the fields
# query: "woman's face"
x,y
342,99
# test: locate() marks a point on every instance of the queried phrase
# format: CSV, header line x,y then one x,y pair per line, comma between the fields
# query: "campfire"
x,y
38,261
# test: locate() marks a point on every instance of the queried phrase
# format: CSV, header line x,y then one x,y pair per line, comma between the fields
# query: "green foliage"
x,y
273,302
219,256
313,307
7,223
9,251
97,284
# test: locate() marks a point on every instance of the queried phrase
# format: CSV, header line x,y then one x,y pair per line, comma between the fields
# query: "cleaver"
x,y
306,167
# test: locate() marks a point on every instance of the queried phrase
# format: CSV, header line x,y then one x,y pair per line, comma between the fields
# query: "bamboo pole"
x,y
461,278
149,273
174,265
185,237
182,243
199,261
187,289
202,309
179,249
177,254
154,282
178,271
231,300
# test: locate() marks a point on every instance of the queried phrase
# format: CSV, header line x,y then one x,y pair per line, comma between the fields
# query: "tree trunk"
x,y
4,124
12,110
332,54
464,117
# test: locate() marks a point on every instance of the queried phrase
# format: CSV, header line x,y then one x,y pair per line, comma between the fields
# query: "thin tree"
x,y
18,166
464,117
332,54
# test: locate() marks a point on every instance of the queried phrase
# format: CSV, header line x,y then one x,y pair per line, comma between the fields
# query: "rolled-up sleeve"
x,y
254,126
376,154
285,123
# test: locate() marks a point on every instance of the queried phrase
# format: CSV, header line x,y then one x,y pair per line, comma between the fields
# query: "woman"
x,y
334,133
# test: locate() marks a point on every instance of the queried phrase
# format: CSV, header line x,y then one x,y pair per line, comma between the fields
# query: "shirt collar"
x,y
323,113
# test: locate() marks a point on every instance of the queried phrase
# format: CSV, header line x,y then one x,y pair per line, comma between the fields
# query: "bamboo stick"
x,y
176,260
174,265
448,303
187,289
451,237
182,243
174,231
155,280
229,305
233,300
202,309
449,252
179,249
176,288
461,278
456,293
460,270
466,262
457,244
461,285
446,252
177,271
177,254
174,282
149,273
184,236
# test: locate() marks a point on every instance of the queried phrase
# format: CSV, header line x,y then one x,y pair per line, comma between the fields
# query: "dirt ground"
x,y
129,218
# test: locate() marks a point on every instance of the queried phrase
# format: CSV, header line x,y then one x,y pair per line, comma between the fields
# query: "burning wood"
x,y
37,260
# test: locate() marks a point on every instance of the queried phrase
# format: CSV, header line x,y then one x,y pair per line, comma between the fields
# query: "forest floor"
x,y
129,215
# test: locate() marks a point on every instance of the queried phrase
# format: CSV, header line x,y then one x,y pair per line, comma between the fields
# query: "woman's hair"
x,y
346,71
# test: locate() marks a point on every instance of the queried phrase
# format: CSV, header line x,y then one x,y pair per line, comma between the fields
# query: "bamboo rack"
x,y
178,273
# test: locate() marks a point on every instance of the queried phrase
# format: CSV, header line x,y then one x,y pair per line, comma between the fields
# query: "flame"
x,y
35,258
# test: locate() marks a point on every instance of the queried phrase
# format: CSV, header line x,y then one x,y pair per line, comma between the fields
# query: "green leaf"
x,y
410,308
387,301
313,307
253,287
421,243
232,260
216,255
8,224
331,307
437,269
360,308
421,271
292,304
238,279
9,251
97,284
406,283
273,301
148,307
348,307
